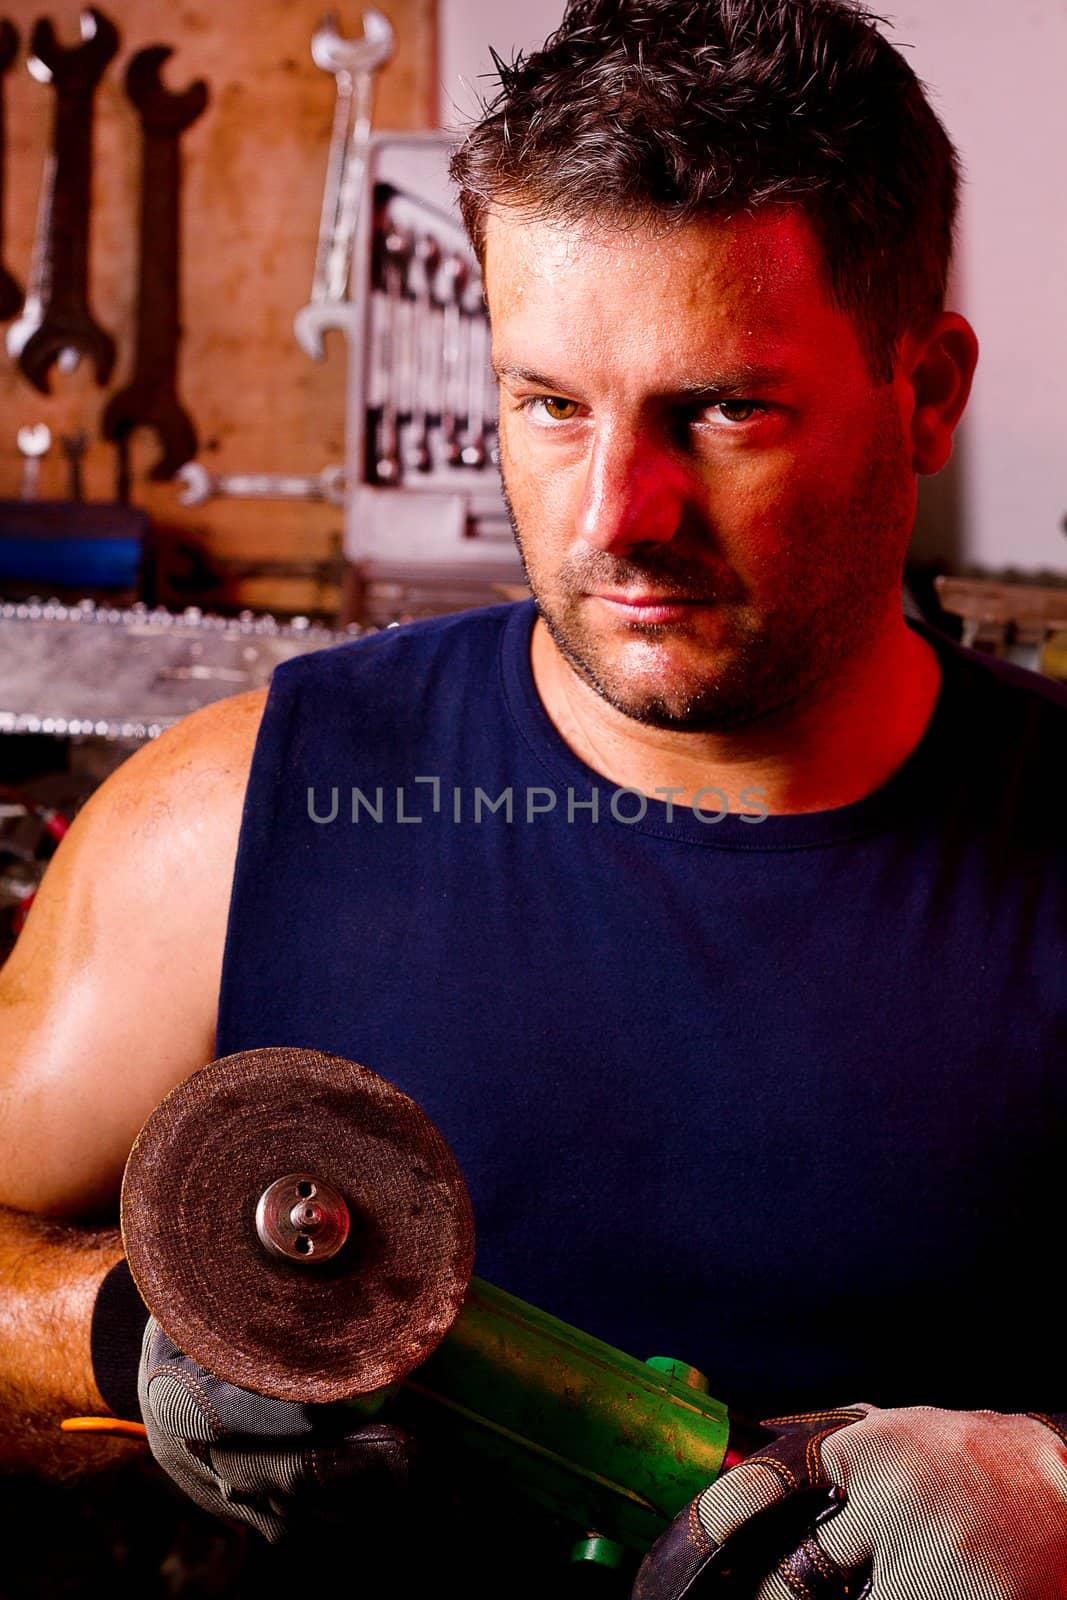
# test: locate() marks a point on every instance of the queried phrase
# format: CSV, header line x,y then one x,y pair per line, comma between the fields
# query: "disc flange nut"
x,y
301,1218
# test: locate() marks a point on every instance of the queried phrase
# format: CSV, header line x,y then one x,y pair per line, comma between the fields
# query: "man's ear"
x,y
939,361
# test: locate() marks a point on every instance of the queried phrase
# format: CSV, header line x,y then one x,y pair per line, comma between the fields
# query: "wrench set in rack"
x,y
424,491
430,390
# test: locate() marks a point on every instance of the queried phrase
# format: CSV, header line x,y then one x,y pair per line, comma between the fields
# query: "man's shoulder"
x,y
998,752
214,742
985,683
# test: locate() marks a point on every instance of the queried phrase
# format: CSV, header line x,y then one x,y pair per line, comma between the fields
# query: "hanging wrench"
x,y
354,63
397,246
427,257
198,485
56,318
10,293
150,399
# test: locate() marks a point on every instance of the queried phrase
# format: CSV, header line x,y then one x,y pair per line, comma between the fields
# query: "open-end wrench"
x,y
150,399
354,63
397,246
427,258
198,485
10,293
56,316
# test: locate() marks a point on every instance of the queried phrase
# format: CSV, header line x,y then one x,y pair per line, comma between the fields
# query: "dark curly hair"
x,y
681,108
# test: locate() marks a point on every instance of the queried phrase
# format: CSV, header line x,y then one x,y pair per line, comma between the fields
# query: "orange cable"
x,y
133,1430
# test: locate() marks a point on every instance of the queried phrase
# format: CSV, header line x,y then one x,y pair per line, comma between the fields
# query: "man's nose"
x,y
635,492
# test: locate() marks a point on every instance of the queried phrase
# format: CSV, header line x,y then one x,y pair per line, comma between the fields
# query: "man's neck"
x,y
843,743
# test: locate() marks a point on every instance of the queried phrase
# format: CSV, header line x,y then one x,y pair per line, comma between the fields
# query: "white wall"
x,y
996,71
466,29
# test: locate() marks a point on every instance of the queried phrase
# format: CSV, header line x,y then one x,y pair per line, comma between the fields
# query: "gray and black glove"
x,y
864,1504
279,1467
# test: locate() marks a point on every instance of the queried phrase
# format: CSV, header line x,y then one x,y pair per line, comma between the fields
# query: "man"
x,y
728,948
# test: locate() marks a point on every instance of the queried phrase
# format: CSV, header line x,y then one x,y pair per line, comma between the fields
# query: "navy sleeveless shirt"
x,y
783,1098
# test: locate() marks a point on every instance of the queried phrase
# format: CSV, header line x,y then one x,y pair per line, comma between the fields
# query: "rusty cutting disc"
x,y
310,1331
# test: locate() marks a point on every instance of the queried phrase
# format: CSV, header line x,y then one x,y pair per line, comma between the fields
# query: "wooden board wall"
x,y
253,180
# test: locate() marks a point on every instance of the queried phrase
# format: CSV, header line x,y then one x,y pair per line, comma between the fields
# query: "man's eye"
x,y
553,406
738,410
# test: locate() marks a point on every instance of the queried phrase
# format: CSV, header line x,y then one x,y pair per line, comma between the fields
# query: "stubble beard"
x,y
773,659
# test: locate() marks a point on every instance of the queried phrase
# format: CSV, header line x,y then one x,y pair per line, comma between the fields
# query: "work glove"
x,y
909,1504
281,1468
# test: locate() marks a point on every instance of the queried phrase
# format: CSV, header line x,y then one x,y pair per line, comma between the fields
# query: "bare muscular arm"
x,y
49,1275
108,1000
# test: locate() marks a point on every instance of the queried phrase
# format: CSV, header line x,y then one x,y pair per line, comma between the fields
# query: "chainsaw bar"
x,y
129,672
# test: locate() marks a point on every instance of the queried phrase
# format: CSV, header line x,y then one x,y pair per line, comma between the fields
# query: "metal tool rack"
x,y
421,445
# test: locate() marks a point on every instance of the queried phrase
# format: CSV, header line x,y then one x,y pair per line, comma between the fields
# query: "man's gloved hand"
x,y
909,1504
276,1466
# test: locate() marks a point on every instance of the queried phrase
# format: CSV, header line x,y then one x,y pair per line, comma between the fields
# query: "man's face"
x,y
711,497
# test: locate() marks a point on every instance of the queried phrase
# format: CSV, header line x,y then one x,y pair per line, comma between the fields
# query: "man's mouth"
x,y
649,607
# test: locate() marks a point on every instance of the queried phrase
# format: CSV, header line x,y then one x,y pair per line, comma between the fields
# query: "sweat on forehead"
x,y
757,239
766,270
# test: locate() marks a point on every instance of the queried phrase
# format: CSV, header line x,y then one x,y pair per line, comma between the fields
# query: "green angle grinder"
x,y
301,1229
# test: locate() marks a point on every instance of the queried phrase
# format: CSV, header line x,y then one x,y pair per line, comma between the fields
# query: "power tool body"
x,y
301,1229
